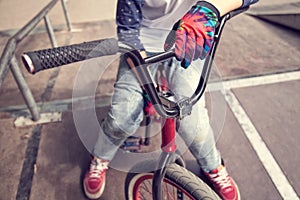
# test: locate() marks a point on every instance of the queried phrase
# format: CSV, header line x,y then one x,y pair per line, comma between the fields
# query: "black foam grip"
x,y
48,58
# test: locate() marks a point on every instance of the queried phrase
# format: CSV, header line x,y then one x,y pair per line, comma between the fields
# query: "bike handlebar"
x,y
36,61
237,11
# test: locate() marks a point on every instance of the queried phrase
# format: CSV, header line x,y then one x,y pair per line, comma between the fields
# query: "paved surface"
x,y
258,137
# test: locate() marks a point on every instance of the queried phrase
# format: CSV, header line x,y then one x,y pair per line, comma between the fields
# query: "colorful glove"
x,y
194,33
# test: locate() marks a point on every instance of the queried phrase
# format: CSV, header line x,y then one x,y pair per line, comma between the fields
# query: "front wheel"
x,y
178,183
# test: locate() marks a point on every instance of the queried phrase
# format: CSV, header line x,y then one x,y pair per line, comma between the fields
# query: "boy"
x,y
143,24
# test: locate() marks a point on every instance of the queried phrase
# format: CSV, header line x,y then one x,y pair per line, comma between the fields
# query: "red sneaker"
x,y
223,184
94,180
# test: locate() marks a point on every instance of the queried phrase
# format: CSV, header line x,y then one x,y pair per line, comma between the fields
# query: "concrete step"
x,y
286,14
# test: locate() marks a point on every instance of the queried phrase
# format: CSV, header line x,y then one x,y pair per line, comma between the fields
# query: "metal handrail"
x,y
8,55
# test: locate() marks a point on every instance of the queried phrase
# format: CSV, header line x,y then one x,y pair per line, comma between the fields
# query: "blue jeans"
x,y
126,114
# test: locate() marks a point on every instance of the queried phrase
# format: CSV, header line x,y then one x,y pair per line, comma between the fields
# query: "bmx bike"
x,y
171,180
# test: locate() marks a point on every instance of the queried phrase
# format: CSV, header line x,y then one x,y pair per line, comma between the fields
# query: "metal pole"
x,y
50,31
6,57
67,16
13,41
25,90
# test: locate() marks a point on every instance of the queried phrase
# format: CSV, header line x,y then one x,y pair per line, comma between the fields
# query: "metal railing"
x,y
8,57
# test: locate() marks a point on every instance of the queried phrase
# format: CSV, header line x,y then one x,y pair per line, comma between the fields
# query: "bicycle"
x,y
171,175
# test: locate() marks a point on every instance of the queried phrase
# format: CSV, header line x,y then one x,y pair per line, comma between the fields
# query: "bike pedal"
x,y
133,144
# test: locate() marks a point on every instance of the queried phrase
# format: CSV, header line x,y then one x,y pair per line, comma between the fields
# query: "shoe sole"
x,y
94,196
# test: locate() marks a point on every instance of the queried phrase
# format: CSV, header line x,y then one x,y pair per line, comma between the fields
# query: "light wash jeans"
x,y
126,114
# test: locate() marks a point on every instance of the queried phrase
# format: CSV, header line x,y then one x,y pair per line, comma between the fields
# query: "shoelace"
x,y
97,167
221,179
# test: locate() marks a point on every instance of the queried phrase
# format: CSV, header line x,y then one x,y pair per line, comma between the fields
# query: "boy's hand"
x,y
194,33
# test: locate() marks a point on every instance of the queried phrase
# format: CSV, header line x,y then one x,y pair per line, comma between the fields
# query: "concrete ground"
x,y
255,113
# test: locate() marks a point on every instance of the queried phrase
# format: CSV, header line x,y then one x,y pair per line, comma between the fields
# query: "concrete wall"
x,y
16,13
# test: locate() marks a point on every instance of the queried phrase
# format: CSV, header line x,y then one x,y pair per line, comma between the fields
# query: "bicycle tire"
x,y
184,184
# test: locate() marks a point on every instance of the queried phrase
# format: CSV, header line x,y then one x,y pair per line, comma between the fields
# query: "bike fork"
x,y
168,155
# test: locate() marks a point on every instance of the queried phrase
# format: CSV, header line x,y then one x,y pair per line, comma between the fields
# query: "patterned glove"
x,y
194,33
